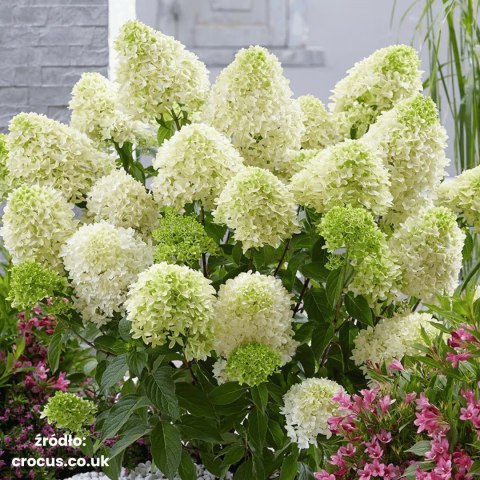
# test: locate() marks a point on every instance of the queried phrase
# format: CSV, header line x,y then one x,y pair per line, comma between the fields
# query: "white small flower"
x,y
307,407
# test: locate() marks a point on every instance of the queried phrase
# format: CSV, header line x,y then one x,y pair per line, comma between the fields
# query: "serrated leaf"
x,y
200,429
120,413
260,396
54,351
244,471
187,468
137,362
257,428
166,448
194,400
321,338
115,371
160,389
226,393
358,308
132,435
289,467
334,287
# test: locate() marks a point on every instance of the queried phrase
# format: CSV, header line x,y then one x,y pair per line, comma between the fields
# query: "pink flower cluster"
x,y
366,424
471,413
461,340
20,411
446,465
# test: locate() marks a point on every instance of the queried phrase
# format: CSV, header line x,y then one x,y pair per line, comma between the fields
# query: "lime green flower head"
x,y
66,410
156,73
352,234
320,128
46,152
428,248
251,104
258,207
375,85
95,112
194,165
462,195
173,304
36,223
31,283
252,363
411,143
307,408
181,239
102,261
123,201
348,173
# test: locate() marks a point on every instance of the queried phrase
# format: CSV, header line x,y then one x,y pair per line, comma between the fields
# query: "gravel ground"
x,y
144,471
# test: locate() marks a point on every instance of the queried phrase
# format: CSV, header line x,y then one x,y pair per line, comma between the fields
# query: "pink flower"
x,y
409,397
384,436
62,383
384,403
439,449
455,359
323,475
348,451
375,468
396,365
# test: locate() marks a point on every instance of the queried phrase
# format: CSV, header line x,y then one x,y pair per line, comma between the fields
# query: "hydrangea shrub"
x,y
242,264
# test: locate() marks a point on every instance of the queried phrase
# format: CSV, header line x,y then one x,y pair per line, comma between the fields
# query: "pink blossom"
x,y
384,403
456,358
396,365
323,475
384,436
62,383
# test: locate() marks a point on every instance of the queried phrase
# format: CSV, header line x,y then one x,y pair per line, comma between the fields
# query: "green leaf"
x,y
226,393
110,344
316,304
257,428
358,308
165,131
321,337
260,396
316,271
115,371
114,465
132,435
160,389
166,447
137,362
244,471
200,429
54,351
124,328
334,286
233,454
187,468
120,413
306,357
289,467
420,448
194,400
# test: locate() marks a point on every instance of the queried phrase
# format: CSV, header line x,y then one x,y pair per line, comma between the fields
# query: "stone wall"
x,y
44,47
